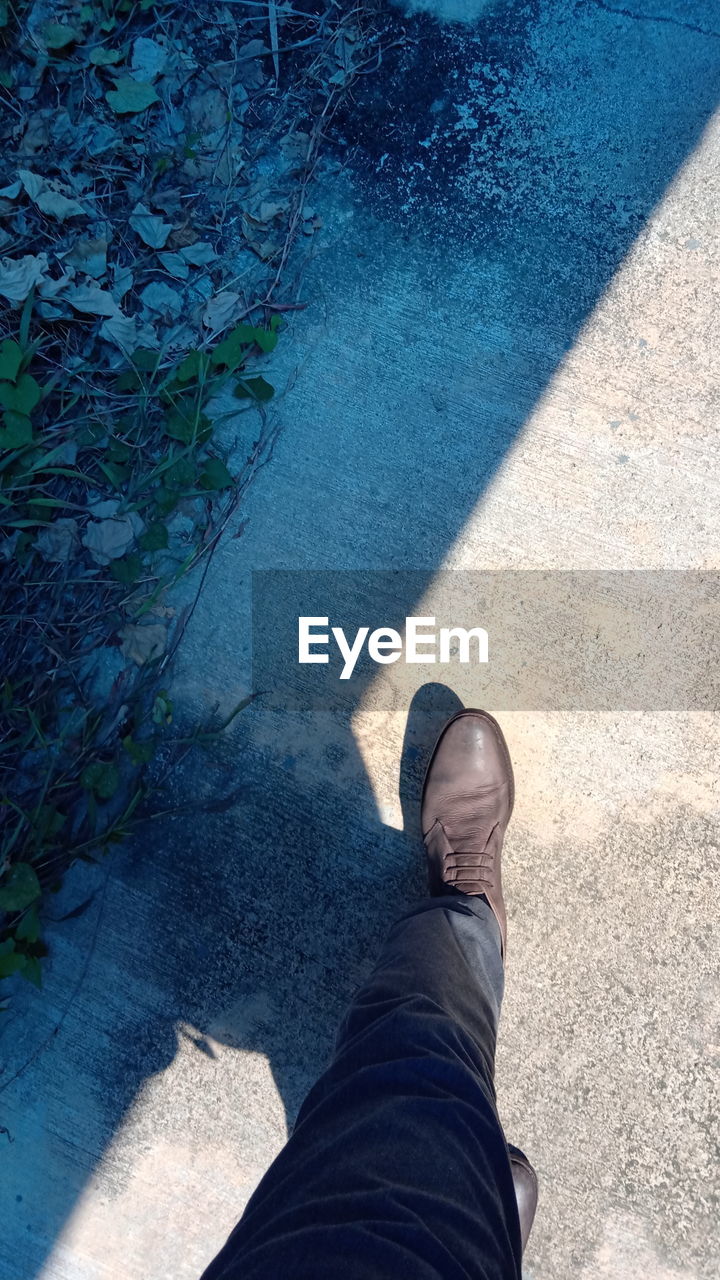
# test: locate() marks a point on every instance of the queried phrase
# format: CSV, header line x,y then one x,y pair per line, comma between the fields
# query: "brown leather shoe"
x,y
526,1190
467,800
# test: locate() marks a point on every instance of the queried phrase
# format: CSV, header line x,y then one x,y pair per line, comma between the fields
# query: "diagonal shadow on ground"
x,y
503,169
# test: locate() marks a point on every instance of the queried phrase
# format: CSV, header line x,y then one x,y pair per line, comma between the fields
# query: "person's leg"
x,y
397,1166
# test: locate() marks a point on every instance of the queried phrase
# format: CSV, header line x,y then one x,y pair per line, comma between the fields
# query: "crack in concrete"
x,y
657,17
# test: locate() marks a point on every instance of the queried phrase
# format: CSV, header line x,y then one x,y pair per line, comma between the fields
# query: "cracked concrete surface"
x,y
508,361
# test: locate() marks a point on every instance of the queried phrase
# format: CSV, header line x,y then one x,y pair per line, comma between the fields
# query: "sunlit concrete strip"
x,y
610,1038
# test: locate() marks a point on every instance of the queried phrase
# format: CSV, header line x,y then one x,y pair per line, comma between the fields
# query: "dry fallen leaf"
x,y
56,205
108,540
162,299
199,254
37,134
208,113
122,332
269,209
50,197
141,644
123,281
58,541
148,59
175,265
19,276
92,300
130,97
89,256
222,310
32,183
49,288
149,226
128,333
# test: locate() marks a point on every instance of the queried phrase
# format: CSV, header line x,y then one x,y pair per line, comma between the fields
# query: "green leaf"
x,y
49,822
194,364
42,460
162,712
128,569
11,358
101,778
25,318
232,350
22,397
181,474
166,501
89,434
155,537
28,394
185,424
182,416
36,726
117,475
11,961
16,431
45,502
128,381
139,752
179,427
20,889
228,351
266,339
215,475
101,57
161,165
57,36
130,97
255,389
32,970
24,524
146,360
189,367
28,929
119,450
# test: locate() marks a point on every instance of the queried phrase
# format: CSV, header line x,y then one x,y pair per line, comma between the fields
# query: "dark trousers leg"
x,y
397,1167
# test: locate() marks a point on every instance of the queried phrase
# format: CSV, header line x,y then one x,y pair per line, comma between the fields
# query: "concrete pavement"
x,y
508,361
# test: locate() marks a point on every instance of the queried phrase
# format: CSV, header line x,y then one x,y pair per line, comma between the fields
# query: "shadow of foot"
x,y
431,707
